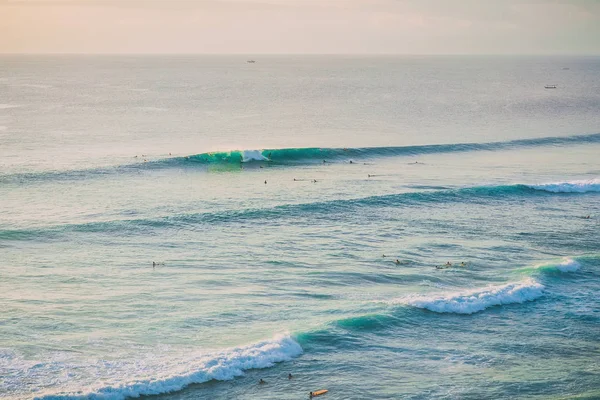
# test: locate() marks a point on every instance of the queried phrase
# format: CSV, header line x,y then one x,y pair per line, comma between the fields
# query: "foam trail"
x,y
579,186
472,301
223,365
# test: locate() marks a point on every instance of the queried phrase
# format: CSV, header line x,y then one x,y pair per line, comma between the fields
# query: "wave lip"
x,y
578,186
222,365
476,300
566,265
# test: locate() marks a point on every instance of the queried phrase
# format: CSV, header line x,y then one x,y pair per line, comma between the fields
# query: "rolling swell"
x,y
315,154
295,156
342,334
126,226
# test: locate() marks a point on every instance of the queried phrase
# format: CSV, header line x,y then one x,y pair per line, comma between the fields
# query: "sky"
x,y
301,26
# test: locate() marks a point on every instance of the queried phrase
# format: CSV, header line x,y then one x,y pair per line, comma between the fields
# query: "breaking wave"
x,y
297,156
472,301
578,186
222,365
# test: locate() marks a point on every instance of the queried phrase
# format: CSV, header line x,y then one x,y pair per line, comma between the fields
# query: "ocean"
x,y
383,227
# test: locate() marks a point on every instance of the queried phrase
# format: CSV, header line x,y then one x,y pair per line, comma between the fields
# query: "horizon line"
x,y
300,54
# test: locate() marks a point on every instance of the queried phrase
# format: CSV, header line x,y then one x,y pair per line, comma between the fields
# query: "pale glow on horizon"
x,y
300,26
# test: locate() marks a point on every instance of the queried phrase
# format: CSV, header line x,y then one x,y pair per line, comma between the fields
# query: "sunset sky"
x,y
301,26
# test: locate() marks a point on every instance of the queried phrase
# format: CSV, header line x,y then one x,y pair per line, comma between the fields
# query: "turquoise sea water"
x,y
276,198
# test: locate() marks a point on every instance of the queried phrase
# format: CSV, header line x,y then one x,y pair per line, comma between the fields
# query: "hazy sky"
x,y
301,26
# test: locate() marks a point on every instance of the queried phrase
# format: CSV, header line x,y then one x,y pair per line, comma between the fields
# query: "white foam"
x,y
579,186
4,106
173,376
253,155
567,265
472,301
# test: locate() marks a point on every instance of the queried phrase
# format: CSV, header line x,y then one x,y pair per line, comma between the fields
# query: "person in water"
x,y
314,181
448,264
290,376
261,382
397,261
351,162
265,182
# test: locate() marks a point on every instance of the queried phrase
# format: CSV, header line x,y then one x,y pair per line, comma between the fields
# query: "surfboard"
x,y
319,392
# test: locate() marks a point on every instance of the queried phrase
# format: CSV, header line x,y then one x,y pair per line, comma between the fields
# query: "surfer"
x,y
324,161
448,264
463,264
290,376
261,382
314,181
588,217
265,181
351,162
397,262
153,264
384,256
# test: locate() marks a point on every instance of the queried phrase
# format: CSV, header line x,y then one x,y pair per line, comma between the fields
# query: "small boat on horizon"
x,y
250,61
550,86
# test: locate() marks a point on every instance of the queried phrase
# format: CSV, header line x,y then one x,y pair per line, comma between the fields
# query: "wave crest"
x,y
578,186
472,301
222,365
566,265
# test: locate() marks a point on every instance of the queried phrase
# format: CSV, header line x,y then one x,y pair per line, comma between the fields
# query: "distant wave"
x,y
579,186
296,156
126,226
317,154
472,301
223,365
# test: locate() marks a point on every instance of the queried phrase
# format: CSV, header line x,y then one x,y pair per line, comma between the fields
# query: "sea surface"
x,y
381,227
